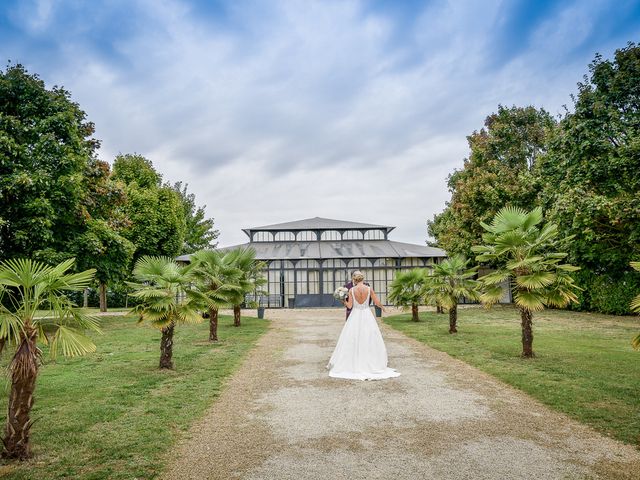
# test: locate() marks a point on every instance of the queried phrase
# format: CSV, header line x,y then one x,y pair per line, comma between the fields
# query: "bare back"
x,y
361,292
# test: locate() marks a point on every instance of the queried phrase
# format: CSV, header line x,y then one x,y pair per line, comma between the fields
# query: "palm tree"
x,y
27,286
408,289
167,298
215,276
525,254
451,280
247,278
635,306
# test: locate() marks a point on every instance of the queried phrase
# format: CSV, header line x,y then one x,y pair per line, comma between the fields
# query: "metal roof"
x,y
317,223
338,249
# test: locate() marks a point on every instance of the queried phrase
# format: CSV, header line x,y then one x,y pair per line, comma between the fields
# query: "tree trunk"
x,y
85,298
24,371
236,315
439,309
166,347
453,319
213,324
103,297
527,333
414,312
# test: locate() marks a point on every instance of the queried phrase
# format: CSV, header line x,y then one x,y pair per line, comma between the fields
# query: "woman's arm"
x,y
349,303
376,301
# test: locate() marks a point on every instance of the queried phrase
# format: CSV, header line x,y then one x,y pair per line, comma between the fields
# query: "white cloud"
x,y
300,109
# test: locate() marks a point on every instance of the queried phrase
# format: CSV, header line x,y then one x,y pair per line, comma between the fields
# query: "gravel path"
x,y
282,417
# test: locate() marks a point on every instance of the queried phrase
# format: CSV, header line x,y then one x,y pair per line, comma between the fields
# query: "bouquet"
x,y
341,293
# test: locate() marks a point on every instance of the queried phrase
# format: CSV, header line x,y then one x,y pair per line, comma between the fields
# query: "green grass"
x,y
584,365
113,414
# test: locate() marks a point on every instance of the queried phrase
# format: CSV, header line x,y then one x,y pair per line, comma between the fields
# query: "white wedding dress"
x,y
360,353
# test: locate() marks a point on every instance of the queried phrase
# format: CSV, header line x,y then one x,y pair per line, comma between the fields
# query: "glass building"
x,y
308,259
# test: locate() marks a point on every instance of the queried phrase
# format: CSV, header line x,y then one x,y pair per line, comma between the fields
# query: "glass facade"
x,y
289,281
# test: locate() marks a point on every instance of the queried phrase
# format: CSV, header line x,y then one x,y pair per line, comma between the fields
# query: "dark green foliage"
x,y
155,212
591,174
606,293
46,146
200,233
496,174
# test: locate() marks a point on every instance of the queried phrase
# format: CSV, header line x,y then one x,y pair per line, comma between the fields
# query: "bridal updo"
x,y
357,277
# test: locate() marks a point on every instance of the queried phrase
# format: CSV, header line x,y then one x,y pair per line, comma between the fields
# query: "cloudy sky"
x,y
278,110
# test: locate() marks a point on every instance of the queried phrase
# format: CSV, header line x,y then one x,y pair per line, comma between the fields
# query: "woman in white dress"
x,y
360,353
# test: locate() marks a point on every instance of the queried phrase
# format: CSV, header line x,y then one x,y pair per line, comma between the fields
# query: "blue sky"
x,y
279,110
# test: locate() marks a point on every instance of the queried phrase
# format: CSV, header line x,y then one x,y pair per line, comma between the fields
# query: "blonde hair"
x,y
357,276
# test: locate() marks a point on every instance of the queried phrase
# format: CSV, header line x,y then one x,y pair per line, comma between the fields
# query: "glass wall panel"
x,y
284,237
412,262
262,237
352,235
306,236
331,235
374,235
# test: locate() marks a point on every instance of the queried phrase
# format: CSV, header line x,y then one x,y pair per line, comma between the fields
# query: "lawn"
x,y
113,414
584,365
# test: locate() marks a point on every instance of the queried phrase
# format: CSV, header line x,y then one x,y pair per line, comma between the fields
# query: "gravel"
x,y
282,417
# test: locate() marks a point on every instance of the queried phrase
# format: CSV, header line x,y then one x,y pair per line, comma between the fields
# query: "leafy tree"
x,y
102,247
46,144
247,277
497,173
167,298
408,289
155,212
590,173
200,232
215,275
524,252
635,306
26,287
451,280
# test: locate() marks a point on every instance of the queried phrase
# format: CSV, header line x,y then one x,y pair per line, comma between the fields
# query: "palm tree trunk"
x,y
213,324
527,333
236,315
103,297
414,312
24,371
85,298
166,347
439,309
453,319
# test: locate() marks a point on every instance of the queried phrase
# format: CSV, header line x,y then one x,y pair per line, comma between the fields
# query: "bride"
x,y
360,353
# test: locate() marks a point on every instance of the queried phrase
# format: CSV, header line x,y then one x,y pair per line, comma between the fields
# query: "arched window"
x,y
284,237
306,236
352,235
374,235
262,237
331,235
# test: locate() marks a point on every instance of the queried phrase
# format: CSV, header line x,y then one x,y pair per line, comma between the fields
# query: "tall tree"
x,y
590,173
46,143
200,233
102,245
27,287
155,211
497,173
525,253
